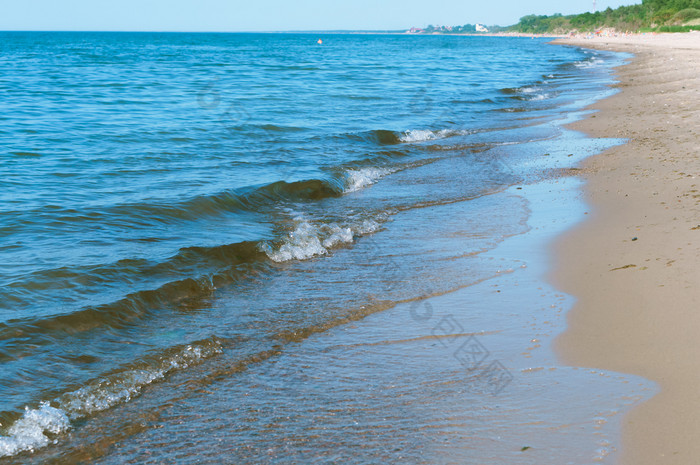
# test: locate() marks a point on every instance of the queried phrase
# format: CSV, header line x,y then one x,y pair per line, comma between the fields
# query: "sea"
x,y
257,248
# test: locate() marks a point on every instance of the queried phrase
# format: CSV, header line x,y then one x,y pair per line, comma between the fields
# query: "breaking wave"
x,y
38,427
308,240
422,135
527,93
360,178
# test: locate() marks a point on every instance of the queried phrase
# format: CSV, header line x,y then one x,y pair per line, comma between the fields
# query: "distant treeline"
x,y
651,15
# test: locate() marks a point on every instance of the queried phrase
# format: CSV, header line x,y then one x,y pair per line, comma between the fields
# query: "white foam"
x,y
29,432
307,240
360,178
337,235
534,93
418,135
301,243
589,63
367,227
106,393
422,135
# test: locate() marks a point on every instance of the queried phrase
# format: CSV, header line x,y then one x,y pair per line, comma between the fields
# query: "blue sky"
x,y
273,15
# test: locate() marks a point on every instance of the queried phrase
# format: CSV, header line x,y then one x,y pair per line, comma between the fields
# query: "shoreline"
x,y
406,383
633,264
465,375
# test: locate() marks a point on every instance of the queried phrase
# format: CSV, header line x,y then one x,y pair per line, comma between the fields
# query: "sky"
x,y
274,15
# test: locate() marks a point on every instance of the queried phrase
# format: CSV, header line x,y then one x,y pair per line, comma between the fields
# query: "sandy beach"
x,y
633,264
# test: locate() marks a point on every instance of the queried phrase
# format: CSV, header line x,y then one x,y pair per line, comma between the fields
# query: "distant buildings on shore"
x,y
466,29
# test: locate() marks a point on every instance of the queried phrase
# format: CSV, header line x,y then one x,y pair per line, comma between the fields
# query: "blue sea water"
x,y
188,205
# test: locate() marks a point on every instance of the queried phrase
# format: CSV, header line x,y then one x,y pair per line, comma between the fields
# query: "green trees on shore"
x,y
661,15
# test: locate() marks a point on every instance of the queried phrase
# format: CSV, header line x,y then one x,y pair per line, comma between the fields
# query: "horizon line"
x,y
291,31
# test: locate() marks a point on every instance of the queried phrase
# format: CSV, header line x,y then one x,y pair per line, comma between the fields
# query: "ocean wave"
x,y
224,264
124,385
589,62
251,198
527,93
32,430
357,179
37,427
422,135
374,137
192,271
308,240
386,137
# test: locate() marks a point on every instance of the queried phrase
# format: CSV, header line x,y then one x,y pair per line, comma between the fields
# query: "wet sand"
x,y
633,265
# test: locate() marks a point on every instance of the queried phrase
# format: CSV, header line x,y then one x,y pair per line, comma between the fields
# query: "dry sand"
x,y
634,265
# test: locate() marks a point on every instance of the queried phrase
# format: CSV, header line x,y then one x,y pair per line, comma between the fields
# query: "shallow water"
x,y
193,223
